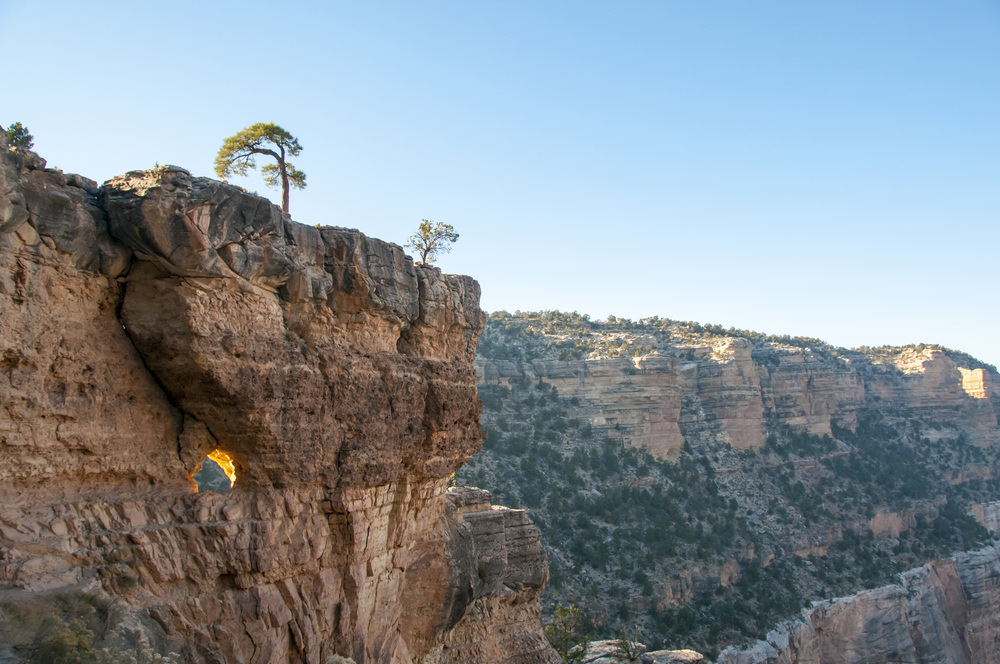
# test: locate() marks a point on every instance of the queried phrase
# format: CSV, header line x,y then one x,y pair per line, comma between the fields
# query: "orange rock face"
x,y
165,316
942,613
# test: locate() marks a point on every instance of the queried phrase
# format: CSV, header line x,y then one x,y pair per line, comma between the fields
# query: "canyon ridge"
x,y
697,485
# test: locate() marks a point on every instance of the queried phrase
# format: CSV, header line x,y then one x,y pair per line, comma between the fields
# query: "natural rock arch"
x,y
216,472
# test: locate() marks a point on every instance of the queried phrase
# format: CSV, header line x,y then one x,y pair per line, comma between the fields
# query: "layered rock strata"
x,y
945,612
162,316
485,567
734,391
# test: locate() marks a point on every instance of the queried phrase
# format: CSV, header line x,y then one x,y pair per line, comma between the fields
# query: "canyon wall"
x,y
789,470
732,390
159,317
942,613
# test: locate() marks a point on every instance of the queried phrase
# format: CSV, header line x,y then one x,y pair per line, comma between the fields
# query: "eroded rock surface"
x,y
485,566
733,391
942,613
612,652
162,316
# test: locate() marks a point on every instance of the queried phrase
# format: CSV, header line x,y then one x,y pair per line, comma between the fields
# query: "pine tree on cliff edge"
x,y
18,137
237,155
432,238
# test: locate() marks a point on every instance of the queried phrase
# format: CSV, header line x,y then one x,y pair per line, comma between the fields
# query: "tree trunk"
x,y
284,185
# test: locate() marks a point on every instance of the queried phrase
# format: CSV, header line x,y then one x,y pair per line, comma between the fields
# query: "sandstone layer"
x,y
869,461
942,613
484,568
734,391
150,321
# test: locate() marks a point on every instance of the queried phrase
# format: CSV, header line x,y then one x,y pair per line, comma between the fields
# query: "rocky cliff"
x,y
659,385
942,613
703,484
150,321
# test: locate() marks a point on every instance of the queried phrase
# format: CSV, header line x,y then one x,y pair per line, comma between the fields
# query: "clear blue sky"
x,y
826,169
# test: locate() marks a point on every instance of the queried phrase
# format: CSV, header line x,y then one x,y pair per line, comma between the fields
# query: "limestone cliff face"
x,y
942,613
485,568
733,390
163,316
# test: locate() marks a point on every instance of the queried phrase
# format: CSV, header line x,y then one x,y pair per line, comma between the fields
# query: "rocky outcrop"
x,y
931,385
987,515
612,652
485,567
734,391
945,612
977,383
162,316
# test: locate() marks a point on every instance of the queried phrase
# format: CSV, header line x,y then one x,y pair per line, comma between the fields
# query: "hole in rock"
x,y
218,472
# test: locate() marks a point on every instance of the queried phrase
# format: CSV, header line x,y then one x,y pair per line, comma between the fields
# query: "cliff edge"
x,y
661,386
161,317
941,613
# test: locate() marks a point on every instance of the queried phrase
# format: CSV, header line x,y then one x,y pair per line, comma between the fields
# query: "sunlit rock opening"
x,y
217,472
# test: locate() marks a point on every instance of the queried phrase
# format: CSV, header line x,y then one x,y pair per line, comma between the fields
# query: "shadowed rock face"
x,y
479,568
163,316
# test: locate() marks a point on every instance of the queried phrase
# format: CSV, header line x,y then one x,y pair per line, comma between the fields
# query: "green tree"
x,y
19,137
238,153
564,633
627,646
432,238
56,643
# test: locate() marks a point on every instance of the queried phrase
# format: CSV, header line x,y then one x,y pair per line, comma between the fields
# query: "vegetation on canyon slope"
x,y
62,628
713,548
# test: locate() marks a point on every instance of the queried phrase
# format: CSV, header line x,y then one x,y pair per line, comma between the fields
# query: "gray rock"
x,y
62,210
608,652
180,223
